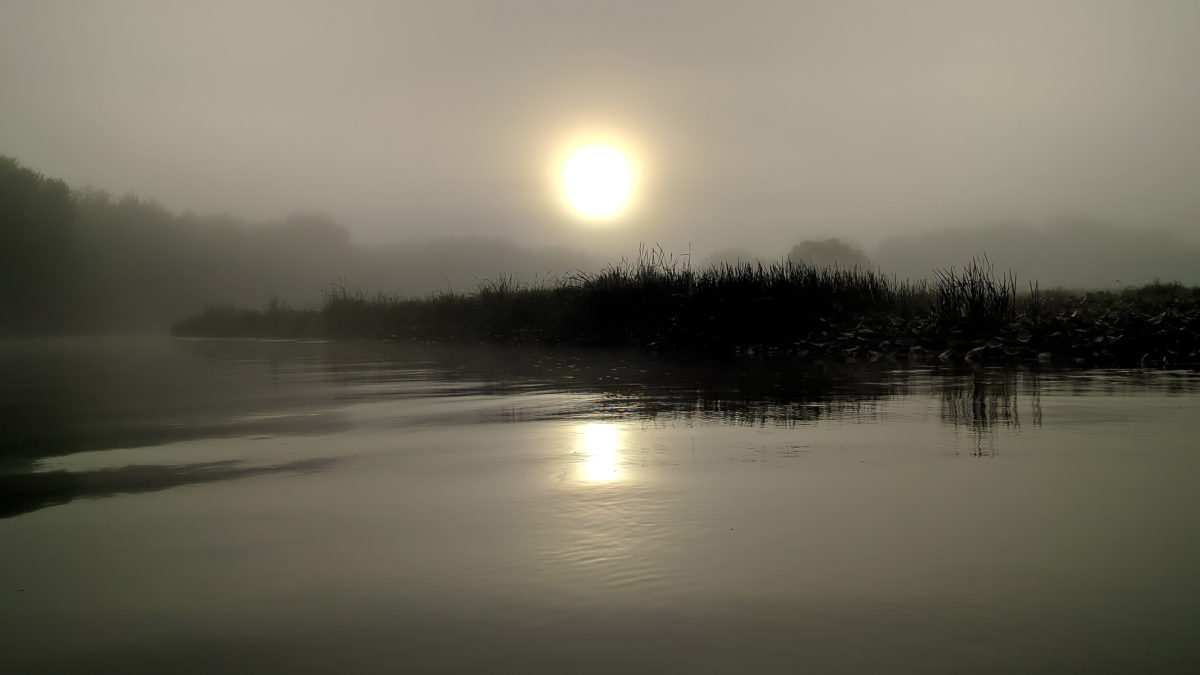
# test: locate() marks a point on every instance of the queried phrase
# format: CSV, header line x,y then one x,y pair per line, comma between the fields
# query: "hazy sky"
x,y
757,123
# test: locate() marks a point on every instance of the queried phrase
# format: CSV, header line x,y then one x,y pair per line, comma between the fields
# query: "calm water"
x,y
239,506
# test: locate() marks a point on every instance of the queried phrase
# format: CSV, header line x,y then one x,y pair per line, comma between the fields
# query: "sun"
x,y
596,181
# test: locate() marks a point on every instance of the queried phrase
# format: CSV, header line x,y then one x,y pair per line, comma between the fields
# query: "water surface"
x,y
245,506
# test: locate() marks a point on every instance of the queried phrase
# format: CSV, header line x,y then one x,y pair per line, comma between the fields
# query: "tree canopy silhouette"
x,y
829,253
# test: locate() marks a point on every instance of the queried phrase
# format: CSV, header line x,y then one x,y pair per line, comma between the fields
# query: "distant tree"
x,y
829,253
37,253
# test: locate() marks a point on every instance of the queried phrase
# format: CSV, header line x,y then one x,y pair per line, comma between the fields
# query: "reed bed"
x,y
659,302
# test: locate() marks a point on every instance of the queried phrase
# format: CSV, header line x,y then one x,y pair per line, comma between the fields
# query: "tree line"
x,y
84,260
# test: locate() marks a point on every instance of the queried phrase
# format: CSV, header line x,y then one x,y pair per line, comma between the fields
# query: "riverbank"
x,y
788,309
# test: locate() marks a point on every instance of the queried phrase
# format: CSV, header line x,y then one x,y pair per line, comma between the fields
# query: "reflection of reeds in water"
x,y
634,387
987,400
761,413
689,407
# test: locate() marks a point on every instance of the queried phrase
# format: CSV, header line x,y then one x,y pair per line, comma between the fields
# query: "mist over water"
x,y
840,483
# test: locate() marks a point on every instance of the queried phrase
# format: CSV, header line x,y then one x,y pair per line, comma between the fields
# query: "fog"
x,y
754,125
84,260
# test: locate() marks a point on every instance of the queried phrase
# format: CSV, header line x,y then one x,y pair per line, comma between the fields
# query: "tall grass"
x,y
661,302
975,299
657,299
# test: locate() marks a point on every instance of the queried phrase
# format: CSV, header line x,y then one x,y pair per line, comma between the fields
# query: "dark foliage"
x,y
787,309
829,253
37,249
86,261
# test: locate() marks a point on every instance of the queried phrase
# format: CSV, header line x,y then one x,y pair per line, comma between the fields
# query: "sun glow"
x,y
600,446
596,181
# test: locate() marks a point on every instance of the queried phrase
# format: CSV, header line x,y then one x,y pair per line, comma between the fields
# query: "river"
x,y
200,506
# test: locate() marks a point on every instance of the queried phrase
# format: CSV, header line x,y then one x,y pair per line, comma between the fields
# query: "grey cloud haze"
x,y
760,123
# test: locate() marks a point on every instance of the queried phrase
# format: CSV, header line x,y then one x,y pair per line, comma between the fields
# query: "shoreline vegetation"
x,y
788,309
83,261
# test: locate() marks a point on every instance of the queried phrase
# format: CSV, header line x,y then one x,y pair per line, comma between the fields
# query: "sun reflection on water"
x,y
600,445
